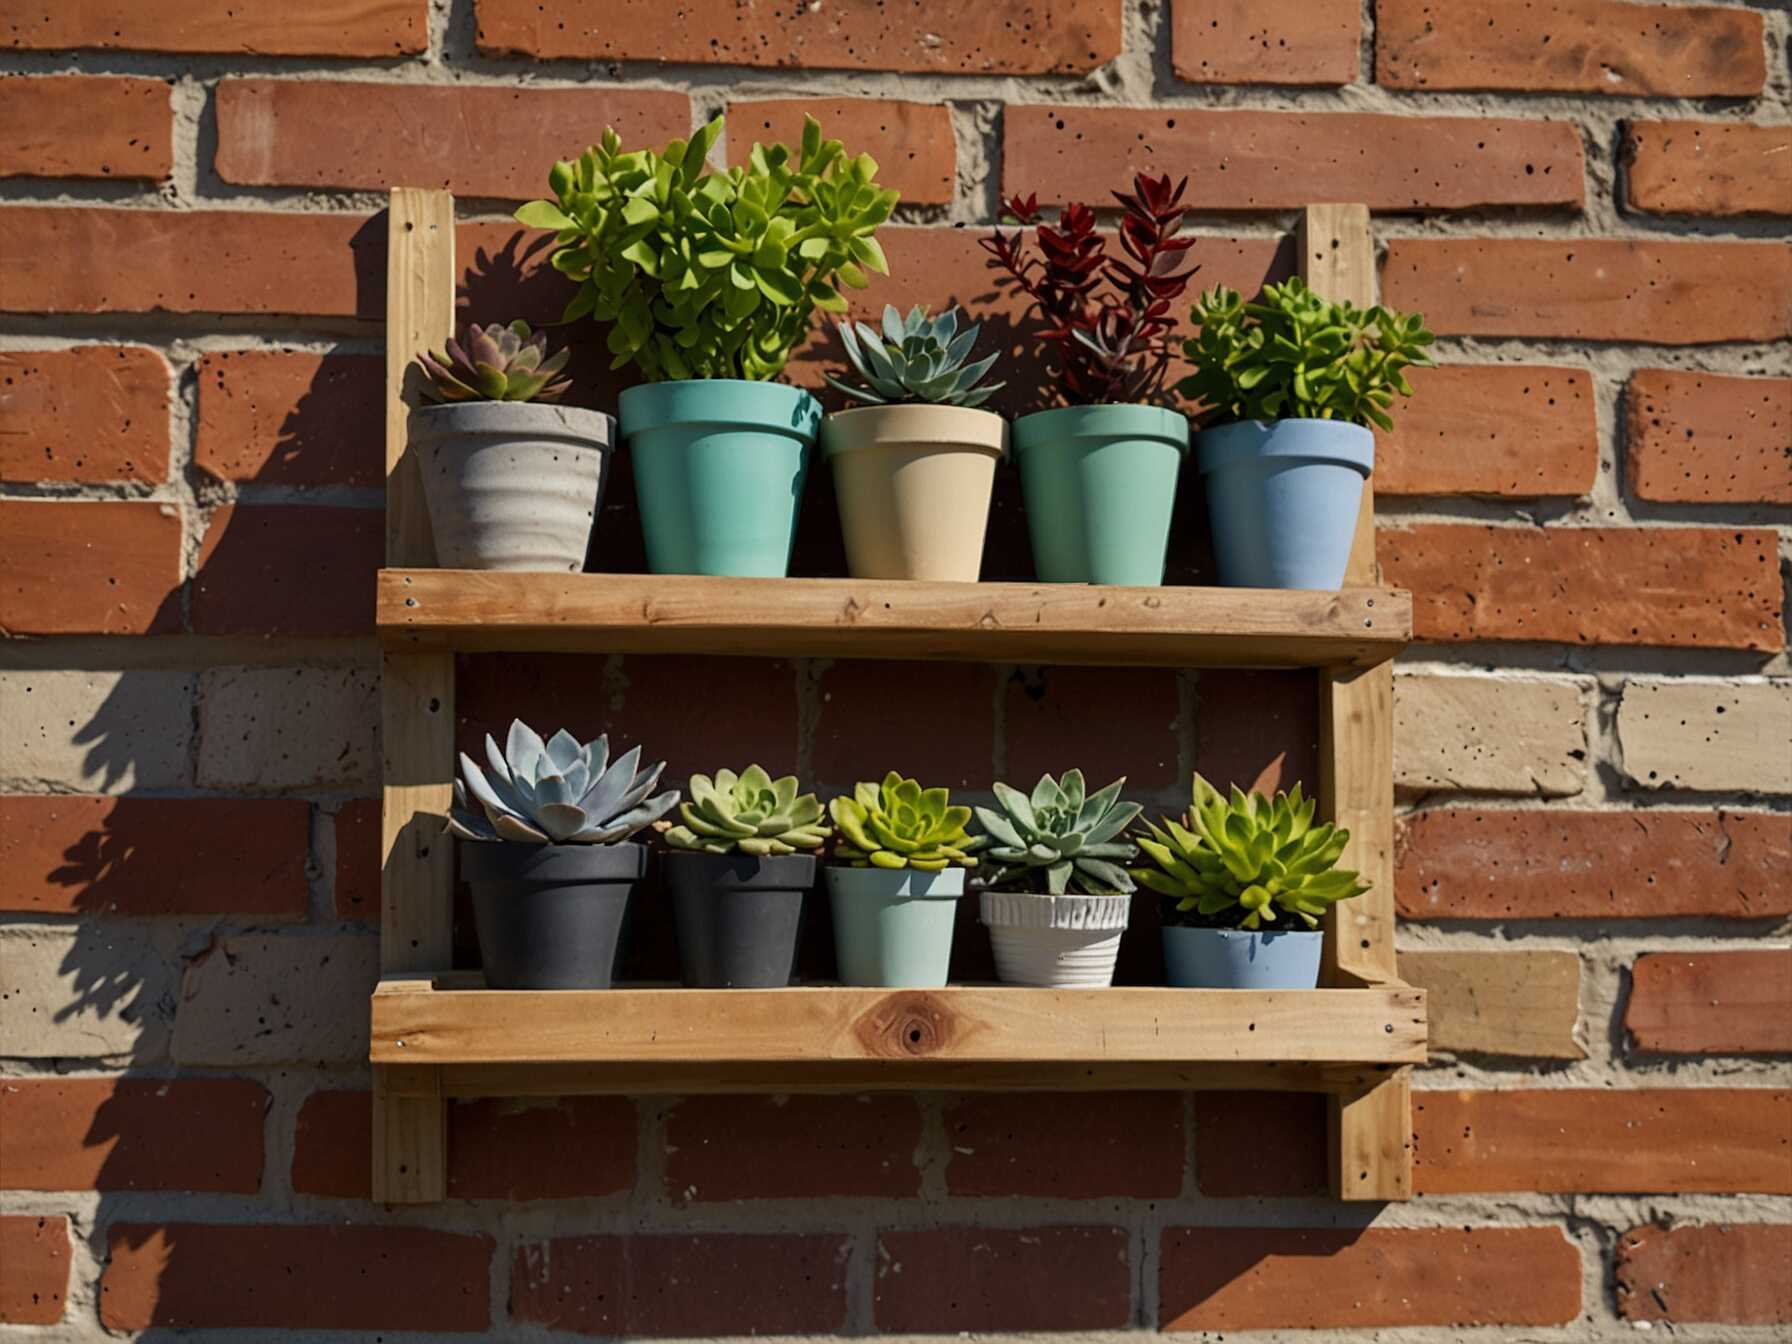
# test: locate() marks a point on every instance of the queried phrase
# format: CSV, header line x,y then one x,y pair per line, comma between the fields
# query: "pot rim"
x,y
621,862
986,434
1171,426
1241,443
539,419
1246,933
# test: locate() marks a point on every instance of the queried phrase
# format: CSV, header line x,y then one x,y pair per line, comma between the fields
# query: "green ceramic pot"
x,y
719,468
893,926
1100,484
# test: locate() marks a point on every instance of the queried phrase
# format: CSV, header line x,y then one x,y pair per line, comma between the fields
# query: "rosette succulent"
x,y
556,792
495,363
914,359
1241,862
898,824
1059,838
750,812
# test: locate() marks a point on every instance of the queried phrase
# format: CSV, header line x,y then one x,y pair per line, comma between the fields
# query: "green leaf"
x,y
543,214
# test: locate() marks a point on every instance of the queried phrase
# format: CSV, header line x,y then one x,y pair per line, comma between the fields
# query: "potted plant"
x,y
1054,894
900,864
913,470
1247,880
1098,474
1290,386
510,481
742,860
708,281
548,854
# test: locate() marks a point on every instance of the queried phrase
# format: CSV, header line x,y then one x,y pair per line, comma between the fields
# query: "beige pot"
x,y
914,485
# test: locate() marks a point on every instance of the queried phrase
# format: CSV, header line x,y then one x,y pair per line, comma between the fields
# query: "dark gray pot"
x,y
549,916
738,916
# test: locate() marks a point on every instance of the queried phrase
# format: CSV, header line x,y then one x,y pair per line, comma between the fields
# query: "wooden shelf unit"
x,y
437,1033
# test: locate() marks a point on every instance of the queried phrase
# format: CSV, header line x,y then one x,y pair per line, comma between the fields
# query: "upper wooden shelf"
x,y
481,611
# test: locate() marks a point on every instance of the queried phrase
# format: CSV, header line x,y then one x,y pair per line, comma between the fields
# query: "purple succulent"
x,y
495,363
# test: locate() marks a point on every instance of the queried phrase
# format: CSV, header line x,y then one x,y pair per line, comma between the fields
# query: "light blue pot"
x,y
1240,959
893,926
1099,484
719,468
1282,499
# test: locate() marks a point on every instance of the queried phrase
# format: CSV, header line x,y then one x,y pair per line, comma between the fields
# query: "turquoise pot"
x,y
893,926
1100,485
719,468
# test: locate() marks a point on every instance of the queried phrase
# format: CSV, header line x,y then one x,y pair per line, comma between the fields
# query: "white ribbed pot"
x,y
1055,942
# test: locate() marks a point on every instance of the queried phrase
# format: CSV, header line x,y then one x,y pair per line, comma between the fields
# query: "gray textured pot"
x,y
1241,958
549,916
512,485
1055,942
738,916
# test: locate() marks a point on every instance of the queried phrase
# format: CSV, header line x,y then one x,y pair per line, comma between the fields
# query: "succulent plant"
x,y
750,812
898,824
556,792
1240,861
915,359
1068,839
495,363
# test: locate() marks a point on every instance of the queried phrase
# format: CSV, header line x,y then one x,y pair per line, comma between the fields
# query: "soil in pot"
x,y
738,916
1055,941
1241,958
549,916
893,926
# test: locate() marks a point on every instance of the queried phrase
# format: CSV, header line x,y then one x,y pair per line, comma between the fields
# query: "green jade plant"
x,y
712,274
749,813
898,824
556,792
914,359
1060,839
495,363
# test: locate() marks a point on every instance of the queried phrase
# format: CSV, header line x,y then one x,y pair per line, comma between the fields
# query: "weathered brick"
x,y
131,1134
288,569
97,730
1502,430
1258,730
792,1147
307,1277
1594,289
934,722
1604,1141
913,143
378,28
949,1280
103,567
1731,1273
1073,1145
682,1285
1266,41
277,999
1570,46
1717,168
358,860
1703,587
1515,1004
93,855
93,414
86,126
87,993
1428,163
270,417
916,36
1487,735
1702,438
1233,1130
1047,711
1707,735
1720,1003
280,729
1466,863
1292,1278
35,1251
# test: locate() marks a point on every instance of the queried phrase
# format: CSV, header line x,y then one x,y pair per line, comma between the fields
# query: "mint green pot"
x,y
893,926
1099,484
719,468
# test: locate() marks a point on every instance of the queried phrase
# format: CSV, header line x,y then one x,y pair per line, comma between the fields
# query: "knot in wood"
x,y
909,1025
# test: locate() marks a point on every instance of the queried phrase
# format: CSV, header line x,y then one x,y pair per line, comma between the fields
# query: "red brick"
x,y
955,1279
379,28
274,418
1500,430
358,860
89,568
1266,41
918,36
1701,438
1731,1273
131,1134
96,413
1234,1130
310,1277
1473,863
1594,289
712,1284
1714,168
34,1249
792,1147
1054,720
288,569
1702,587
1604,1141
86,126
88,855
1570,46
913,143
1258,730
1292,1278
1725,1003
1238,158
1073,1145
934,722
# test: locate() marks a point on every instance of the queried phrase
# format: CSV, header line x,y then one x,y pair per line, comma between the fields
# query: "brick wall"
x,y
1589,198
